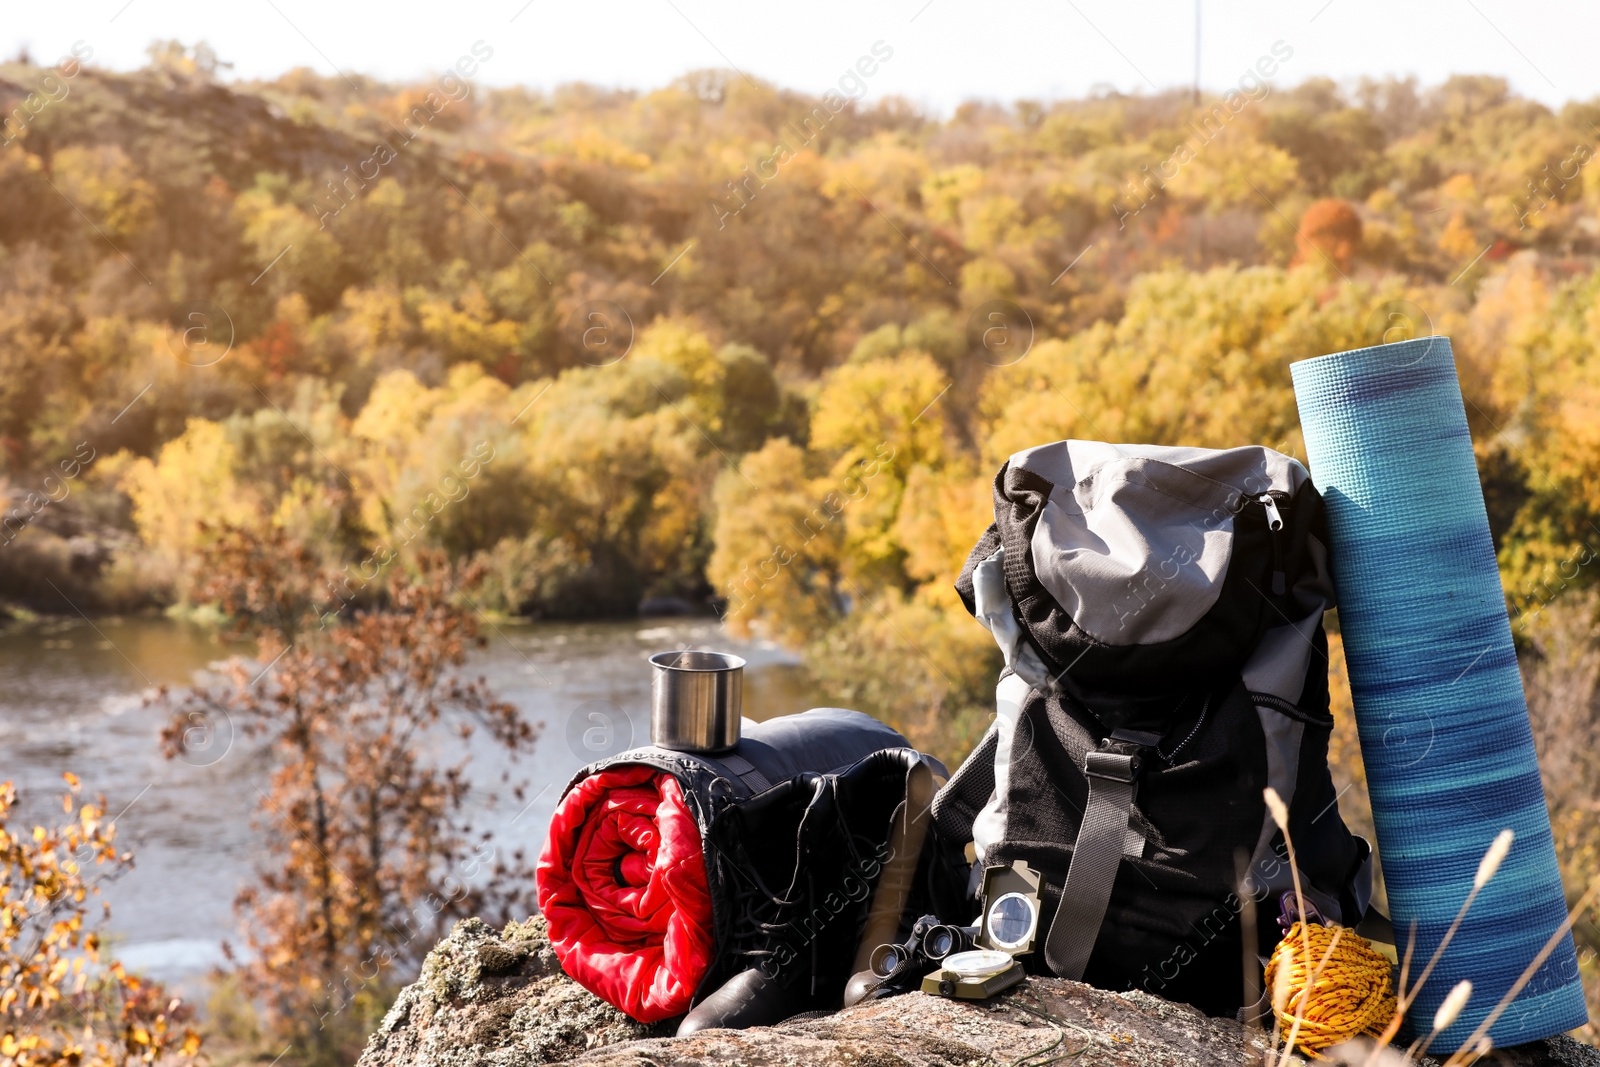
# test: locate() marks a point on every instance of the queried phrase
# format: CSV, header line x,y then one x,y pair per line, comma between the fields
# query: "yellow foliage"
x,y
986,278
1459,240
881,417
892,402
944,192
467,327
1460,187
989,223
593,146
104,183
777,545
686,351
310,257
396,410
452,442
1234,169
377,318
192,480
887,170
1196,359
619,471
938,514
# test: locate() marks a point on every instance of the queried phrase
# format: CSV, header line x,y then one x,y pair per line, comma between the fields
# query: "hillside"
x,y
266,254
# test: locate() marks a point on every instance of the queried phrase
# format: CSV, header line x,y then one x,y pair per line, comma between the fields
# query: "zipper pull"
x,y
1274,517
1275,523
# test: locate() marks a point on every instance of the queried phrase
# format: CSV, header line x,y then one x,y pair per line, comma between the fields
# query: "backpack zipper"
x,y
1168,757
1274,527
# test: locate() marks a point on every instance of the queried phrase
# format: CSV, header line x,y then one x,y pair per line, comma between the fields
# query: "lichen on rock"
x,y
487,997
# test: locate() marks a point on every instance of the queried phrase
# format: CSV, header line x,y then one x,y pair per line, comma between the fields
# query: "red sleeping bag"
x,y
622,885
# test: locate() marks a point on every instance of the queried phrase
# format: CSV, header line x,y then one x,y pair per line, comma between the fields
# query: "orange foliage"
x,y
1329,228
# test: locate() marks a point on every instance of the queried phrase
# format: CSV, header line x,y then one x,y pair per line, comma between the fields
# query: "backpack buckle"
x,y
1117,766
1120,757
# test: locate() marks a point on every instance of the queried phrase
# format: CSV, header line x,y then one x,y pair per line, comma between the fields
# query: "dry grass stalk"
x,y
1280,815
1448,1012
1470,1047
1488,867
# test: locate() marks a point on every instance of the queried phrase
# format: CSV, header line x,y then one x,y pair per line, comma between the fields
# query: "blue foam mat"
x,y
1433,674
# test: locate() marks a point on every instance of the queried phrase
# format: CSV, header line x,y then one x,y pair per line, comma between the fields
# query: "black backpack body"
x,y
1160,612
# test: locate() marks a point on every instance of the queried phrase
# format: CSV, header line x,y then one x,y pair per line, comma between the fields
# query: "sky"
x,y
941,52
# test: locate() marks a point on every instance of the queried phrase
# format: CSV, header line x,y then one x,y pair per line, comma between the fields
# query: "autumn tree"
x,y
63,1001
365,726
1330,231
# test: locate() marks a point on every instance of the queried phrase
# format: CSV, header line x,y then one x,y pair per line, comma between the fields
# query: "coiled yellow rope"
x,y
1354,994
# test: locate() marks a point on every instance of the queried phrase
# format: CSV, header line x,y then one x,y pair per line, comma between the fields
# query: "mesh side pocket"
x,y
956,806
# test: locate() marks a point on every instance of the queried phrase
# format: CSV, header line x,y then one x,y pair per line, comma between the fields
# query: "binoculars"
x,y
930,942
966,962
899,968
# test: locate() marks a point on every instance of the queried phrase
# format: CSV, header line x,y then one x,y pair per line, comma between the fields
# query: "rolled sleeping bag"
x,y
1438,697
632,903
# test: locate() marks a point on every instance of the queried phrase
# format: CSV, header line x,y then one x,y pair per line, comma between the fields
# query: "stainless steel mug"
x,y
695,700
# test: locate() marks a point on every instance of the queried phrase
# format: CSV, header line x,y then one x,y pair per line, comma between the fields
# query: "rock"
x,y
665,607
502,999
484,997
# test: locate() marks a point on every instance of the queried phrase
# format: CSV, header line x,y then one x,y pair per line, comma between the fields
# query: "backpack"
x,y
1160,612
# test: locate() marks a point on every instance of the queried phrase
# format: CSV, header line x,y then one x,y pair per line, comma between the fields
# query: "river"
x,y
72,698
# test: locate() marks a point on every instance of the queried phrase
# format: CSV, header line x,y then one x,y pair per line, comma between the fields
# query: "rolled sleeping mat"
x,y
632,904
1433,675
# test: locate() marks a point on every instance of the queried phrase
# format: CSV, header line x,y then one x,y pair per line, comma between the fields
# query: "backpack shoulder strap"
x,y
1113,771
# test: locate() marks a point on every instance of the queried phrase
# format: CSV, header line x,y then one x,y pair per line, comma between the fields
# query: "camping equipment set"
x,y
1154,790
739,882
